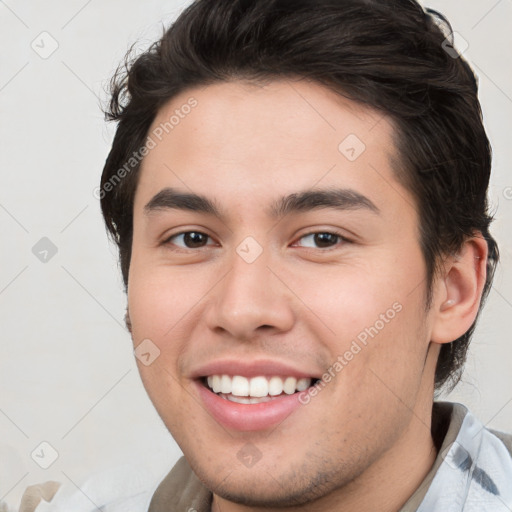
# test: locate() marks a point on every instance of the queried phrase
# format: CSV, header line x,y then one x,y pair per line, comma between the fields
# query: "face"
x,y
276,259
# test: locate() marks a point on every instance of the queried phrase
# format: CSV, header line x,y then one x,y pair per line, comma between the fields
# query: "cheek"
x,y
373,316
349,300
160,307
160,301
154,310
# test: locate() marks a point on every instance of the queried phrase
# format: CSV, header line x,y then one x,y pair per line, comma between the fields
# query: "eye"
x,y
188,239
317,240
323,239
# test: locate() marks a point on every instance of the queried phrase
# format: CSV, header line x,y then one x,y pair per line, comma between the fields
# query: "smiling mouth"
x,y
255,390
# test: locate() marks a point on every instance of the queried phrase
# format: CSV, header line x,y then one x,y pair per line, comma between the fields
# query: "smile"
x,y
255,390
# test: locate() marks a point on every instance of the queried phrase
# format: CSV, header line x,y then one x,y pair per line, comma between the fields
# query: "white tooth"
x,y
225,384
239,399
246,400
289,385
240,386
275,386
216,383
260,400
258,387
303,384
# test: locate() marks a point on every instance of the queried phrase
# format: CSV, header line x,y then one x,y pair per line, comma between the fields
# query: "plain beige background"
x,y
67,371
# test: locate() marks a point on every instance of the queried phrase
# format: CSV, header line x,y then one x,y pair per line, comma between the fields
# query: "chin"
x,y
267,488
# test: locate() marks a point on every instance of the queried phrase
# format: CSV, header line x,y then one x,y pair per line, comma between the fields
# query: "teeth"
x,y
225,384
275,386
256,387
289,385
246,399
303,384
216,383
240,386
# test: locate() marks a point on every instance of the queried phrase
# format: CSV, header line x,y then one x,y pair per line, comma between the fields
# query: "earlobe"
x,y
459,291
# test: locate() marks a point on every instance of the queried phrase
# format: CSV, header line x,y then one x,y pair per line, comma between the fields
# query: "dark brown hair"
x,y
389,55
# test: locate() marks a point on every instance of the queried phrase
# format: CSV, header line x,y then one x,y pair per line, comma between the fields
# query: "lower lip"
x,y
247,417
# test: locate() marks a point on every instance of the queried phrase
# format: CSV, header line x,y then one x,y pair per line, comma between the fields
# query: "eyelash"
x,y
341,238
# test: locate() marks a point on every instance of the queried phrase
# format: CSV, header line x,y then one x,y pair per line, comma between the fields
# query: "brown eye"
x,y
189,239
322,239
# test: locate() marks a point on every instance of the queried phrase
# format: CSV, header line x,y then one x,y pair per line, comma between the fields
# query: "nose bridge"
x,y
250,296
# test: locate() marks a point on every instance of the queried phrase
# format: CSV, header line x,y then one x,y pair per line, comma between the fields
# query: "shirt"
x,y
472,473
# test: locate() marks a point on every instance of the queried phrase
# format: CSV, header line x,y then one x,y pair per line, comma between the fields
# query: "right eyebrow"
x,y
169,198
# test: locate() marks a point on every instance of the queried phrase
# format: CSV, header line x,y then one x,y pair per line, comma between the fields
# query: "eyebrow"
x,y
304,201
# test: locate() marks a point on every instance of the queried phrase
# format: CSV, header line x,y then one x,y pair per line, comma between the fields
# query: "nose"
x,y
251,300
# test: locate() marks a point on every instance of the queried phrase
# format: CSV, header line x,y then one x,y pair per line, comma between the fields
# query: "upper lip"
x,y
253,368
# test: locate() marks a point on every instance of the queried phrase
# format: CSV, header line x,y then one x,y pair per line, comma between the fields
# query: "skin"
x,y
364,442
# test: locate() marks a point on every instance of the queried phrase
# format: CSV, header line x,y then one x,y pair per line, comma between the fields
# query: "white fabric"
x,y
121,489
475,476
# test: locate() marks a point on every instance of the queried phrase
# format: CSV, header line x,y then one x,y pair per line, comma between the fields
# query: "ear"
x,y
458,291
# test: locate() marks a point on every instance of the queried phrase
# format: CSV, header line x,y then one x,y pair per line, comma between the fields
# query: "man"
x,y
298,194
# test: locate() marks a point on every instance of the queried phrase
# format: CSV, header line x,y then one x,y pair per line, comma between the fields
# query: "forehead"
x,y
239,139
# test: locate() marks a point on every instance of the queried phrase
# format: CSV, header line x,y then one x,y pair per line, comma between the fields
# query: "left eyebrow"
x,y
339,199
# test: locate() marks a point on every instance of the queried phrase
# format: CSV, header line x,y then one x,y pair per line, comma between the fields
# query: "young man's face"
x,y
254,293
